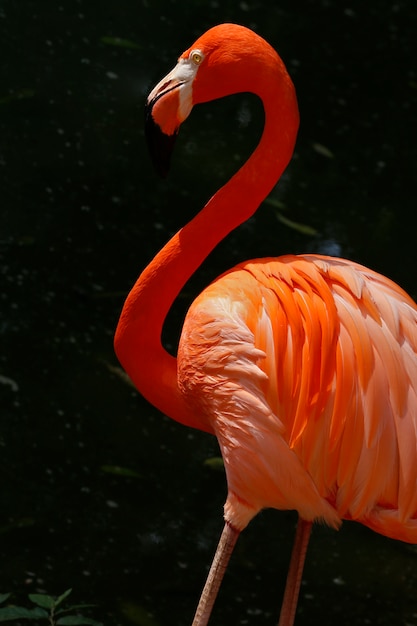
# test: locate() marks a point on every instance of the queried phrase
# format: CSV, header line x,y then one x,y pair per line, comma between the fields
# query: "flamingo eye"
x,y
196,57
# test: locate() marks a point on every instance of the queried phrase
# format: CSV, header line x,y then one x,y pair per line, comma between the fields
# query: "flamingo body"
x,y
304,367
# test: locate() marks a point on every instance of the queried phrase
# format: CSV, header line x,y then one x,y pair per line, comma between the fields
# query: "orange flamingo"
x,y
304,367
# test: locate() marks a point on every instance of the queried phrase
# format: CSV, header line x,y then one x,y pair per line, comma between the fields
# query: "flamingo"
x,y
303,367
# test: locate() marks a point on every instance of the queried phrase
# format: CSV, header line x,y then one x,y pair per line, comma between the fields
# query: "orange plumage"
x,y
309,365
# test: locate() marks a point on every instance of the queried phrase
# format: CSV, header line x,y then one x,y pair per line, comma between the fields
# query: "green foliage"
x,y
47,608
214,463
304,229
17,95
119,42
116,470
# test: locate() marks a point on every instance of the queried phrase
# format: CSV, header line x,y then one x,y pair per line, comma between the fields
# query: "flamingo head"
x,y
226,59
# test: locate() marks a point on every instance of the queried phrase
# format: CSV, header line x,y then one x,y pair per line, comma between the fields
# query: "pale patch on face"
x,y
185,72
180,79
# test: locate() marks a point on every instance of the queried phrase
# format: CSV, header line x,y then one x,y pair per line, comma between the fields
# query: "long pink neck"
x,y
138,336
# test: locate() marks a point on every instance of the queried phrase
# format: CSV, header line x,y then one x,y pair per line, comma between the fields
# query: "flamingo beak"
x,y
160,145
161,126
167,106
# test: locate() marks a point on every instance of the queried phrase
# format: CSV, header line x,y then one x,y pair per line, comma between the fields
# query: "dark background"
x,y
99,491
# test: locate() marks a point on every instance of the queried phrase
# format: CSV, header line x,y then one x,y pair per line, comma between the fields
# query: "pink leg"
x,y
295,573
215,576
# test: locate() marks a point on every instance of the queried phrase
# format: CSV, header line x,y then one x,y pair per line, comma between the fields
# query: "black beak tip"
x,y
160,145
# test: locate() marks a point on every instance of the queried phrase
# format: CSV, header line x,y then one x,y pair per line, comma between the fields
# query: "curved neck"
x,y
138,336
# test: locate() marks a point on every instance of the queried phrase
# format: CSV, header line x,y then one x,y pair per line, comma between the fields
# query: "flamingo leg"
x,y
295,573
215,576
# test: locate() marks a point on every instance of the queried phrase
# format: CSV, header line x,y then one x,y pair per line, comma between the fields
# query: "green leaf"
x,y
74,607
62,597
17,95
4,596
214,463
304,229
323,150
119,42
43,600
20,523
10,613
137,614
77,620
116,470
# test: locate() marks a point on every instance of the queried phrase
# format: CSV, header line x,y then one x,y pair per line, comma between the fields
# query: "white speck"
x,y
254,611
112,75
